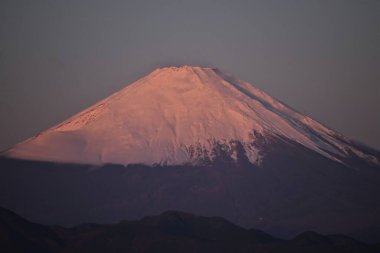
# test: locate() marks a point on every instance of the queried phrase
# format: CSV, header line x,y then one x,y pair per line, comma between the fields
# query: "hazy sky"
x,y
320,57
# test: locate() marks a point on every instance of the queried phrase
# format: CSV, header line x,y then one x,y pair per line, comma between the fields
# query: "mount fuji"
x,y
183,115
197,140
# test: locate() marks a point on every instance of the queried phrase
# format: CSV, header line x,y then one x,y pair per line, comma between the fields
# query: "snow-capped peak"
x,y
178,115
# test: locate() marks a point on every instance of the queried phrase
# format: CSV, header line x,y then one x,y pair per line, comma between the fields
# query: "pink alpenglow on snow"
x,y
172,113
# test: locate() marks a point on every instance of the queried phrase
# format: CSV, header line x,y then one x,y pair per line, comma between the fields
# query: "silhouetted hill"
x,y
20,235
171,231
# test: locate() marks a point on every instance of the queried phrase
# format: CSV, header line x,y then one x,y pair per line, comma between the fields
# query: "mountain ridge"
x,y
171,231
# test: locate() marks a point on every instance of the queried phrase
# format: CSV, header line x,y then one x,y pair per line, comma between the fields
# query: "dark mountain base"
x,y
170,232
294,190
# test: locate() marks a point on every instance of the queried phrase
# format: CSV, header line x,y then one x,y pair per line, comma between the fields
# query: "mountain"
x,y
169,232
180,115
201,141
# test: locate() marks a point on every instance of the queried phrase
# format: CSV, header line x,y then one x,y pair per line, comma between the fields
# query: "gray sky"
x,y
320,57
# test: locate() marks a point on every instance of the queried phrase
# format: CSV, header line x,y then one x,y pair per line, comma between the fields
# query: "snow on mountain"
x,y
176,115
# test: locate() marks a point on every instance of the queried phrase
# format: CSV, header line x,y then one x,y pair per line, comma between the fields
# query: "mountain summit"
x,y
182,115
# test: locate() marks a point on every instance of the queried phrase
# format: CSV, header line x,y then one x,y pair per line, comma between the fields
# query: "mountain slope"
x,y
179,116
294,190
